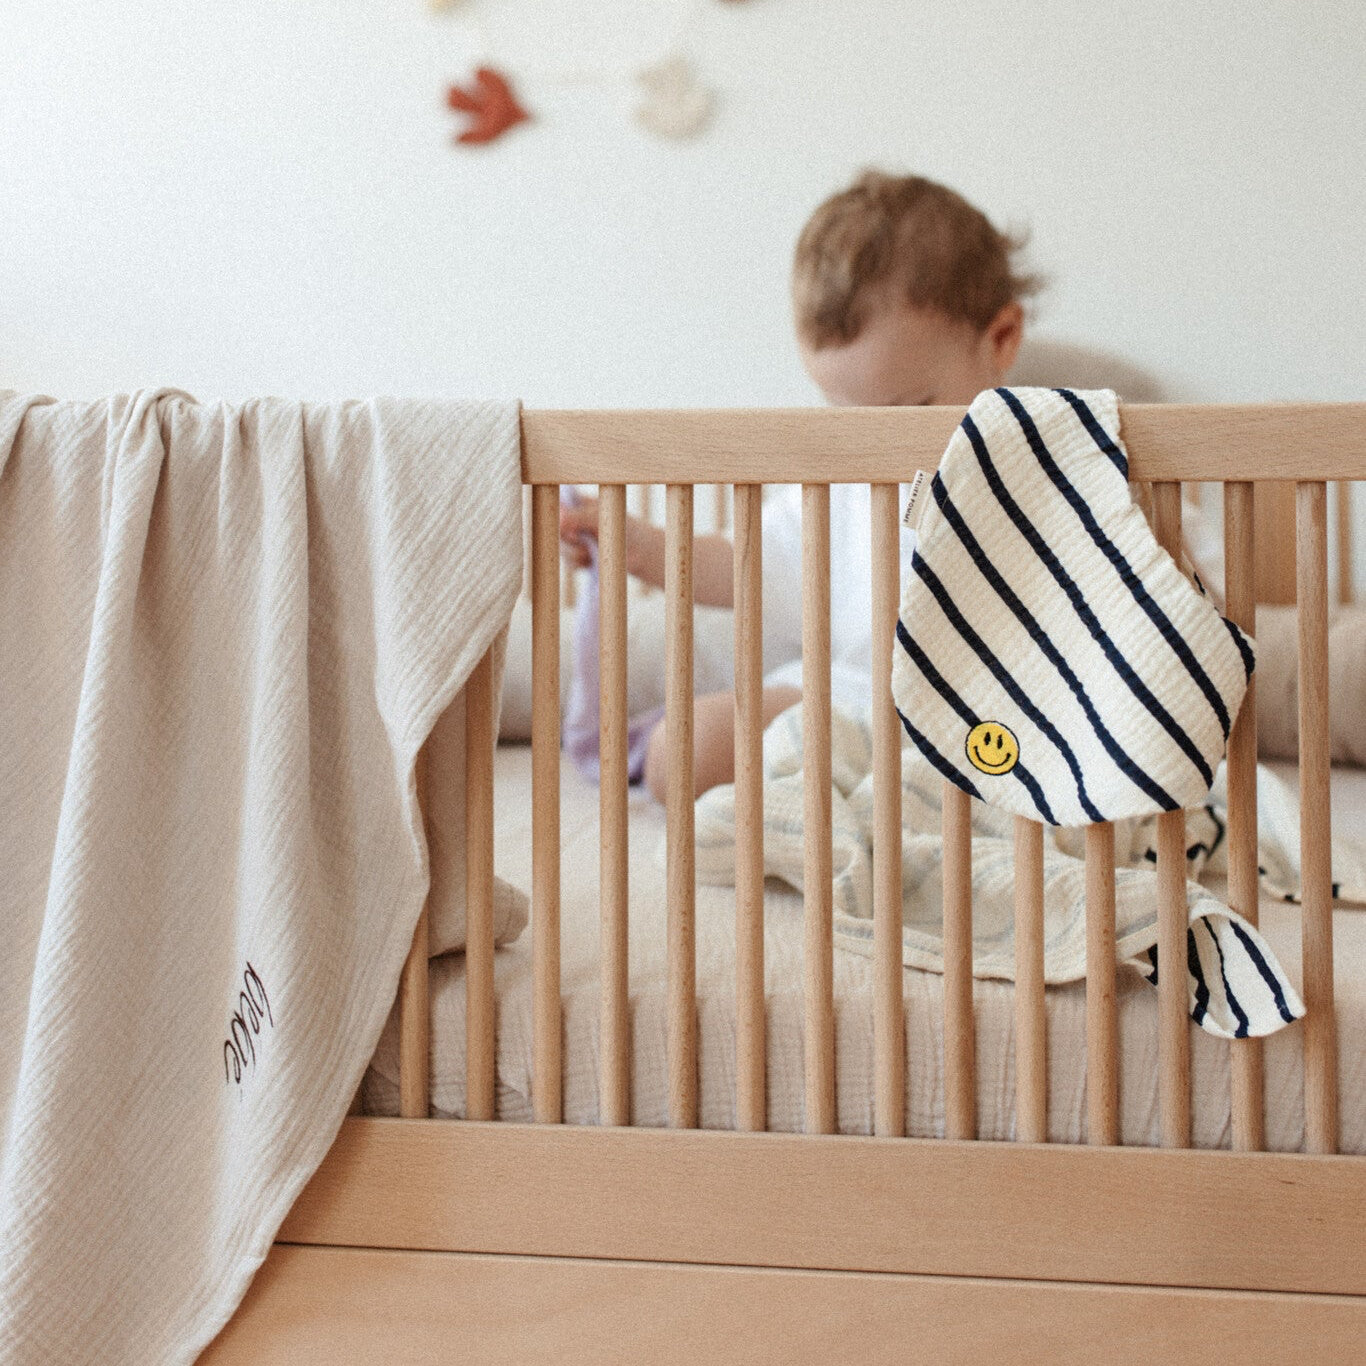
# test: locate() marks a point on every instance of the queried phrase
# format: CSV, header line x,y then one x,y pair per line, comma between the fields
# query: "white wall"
x,y
261,196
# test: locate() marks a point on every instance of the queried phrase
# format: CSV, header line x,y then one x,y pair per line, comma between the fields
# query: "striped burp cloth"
x,y
1053,659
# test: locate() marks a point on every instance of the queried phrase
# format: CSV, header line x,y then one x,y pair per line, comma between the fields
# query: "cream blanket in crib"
x,y
225,633
1236,986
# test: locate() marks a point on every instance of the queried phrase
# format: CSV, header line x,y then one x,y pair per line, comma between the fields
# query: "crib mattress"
x,y
853,988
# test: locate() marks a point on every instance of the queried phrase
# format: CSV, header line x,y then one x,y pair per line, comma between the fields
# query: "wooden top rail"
x,y
1303,441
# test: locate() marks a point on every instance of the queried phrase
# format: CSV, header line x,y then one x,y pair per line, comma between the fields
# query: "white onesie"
x,y
851,588
851,585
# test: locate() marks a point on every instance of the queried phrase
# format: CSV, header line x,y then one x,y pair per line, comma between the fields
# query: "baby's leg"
x,y
713,741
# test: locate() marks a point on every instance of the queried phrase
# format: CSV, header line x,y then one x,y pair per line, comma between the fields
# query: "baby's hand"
x,y
579,530
578,526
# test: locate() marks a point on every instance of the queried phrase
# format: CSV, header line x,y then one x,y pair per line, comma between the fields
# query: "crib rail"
x,y
1177,442
738,453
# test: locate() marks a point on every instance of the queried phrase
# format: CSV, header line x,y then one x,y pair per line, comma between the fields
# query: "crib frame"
x,y
420,1239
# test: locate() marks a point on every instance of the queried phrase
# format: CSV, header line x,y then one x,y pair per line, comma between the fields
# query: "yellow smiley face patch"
x,y
992,748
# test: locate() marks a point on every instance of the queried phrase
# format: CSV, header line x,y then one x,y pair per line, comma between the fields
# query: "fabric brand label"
x,y
915,503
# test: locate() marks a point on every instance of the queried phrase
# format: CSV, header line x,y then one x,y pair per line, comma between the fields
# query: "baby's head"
x,y
905,294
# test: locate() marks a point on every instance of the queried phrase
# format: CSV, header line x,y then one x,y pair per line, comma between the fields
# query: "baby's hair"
x,y
934,249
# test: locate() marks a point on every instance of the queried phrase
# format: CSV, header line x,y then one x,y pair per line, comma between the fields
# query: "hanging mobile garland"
x,y
677,104
491,104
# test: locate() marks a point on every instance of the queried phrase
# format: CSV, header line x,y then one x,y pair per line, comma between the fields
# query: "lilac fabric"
x,y
579,734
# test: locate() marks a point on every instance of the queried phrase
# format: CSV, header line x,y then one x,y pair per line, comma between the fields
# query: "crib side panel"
x,y
747,445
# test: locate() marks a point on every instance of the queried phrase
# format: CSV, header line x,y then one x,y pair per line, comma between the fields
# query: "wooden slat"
x,y
547,1083
1258,1221
1345,558
1102,1018
414,1028
1173,919
480,1030
1240,560
569,584
1173,1005
643,507
721,508
1316,874
1031,1016
1274,515
883,445
318,1306
527,542
889,1015
960,1028
615,1028
818,873
414,1007
750,1043
682,881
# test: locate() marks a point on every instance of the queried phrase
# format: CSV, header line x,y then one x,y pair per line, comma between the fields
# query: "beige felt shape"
x,y
676,105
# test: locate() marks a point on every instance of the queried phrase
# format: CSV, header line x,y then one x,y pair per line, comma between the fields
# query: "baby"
x,y
903,294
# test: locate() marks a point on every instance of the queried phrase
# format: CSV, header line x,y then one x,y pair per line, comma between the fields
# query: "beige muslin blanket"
x,y
225,633
1235,985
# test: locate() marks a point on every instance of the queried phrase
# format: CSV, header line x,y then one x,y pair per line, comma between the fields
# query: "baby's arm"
x,y
712,558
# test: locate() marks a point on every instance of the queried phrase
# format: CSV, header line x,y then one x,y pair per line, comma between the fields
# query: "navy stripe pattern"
x,y
936,681
1088,619
1234,984
1040,604
1131,581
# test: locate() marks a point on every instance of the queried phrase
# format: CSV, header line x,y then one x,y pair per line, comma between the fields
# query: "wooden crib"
x,y
422,1240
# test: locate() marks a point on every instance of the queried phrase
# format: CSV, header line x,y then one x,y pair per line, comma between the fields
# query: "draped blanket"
x,y
225,633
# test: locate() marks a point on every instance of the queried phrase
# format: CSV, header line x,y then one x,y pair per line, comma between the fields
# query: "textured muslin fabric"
x,y
1235,986
225,633
1053,659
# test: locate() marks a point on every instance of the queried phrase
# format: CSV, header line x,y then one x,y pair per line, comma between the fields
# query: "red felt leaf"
x,y
492,105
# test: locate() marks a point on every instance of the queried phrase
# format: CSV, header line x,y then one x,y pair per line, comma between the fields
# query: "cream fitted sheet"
x,y
853,1006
